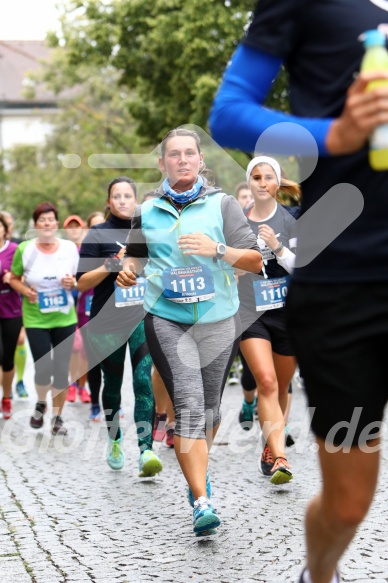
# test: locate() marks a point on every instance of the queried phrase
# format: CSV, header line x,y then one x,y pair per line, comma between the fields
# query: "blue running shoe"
x,y
204,516
149,464
21,389
95,413
190,495
245,417
115,457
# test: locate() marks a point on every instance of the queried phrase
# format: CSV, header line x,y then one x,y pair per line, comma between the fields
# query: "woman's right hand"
x,y
364,110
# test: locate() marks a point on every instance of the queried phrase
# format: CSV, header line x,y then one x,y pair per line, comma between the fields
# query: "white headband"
x,y
267,160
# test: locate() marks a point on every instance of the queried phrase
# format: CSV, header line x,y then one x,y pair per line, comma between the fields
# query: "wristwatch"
x,y
113,264
220,252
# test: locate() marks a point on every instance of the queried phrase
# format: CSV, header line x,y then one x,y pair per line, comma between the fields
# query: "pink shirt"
x,y
10,301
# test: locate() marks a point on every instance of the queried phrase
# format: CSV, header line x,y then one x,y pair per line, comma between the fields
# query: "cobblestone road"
x,y
66,517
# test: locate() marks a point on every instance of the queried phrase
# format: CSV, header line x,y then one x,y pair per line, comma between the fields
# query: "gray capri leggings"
x,y
194,363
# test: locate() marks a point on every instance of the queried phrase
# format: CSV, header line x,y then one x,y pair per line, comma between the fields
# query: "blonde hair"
x,y
289,188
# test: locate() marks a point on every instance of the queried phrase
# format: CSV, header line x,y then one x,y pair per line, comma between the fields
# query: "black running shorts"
x,y
340,336
271,326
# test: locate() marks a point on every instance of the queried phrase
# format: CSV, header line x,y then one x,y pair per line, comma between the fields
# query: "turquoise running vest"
x,y
162,225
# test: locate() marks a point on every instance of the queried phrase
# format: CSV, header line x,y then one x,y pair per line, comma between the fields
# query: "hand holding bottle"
x,y
365,115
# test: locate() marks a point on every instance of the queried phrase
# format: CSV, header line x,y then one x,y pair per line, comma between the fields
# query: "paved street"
x,y
66,517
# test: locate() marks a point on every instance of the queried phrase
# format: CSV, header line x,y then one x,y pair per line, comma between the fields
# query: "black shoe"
x,y
290,441
36,421
57,426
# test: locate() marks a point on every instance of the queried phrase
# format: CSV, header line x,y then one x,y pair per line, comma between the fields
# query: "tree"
x,y
134,70
169,53
94,119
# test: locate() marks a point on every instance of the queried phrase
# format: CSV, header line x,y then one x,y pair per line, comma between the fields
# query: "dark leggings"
x,y
94,373
49,368
248,382
110,350
9,334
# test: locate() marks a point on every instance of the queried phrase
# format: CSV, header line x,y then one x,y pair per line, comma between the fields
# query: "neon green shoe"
x,y
115,456
281,472
149,464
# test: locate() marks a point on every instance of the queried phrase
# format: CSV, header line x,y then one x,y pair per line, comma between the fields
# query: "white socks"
x,y
307,578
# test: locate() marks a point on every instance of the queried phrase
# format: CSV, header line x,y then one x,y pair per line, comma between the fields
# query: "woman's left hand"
x,y
197,244
68,282
268,236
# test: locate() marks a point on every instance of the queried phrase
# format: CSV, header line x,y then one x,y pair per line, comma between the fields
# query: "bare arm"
x,y
25,290
200,244
92,278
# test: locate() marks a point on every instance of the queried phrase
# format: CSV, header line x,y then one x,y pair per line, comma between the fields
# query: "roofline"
x,y
21,51
8,105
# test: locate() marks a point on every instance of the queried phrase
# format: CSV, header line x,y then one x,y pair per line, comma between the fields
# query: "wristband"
x,y
278,249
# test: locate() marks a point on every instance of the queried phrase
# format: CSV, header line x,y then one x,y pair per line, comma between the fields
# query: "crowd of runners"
x,y
192,279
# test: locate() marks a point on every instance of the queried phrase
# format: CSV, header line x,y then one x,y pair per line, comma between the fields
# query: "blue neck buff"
x,y
182,197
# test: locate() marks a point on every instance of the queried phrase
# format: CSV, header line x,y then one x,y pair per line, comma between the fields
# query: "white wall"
x,y
24,127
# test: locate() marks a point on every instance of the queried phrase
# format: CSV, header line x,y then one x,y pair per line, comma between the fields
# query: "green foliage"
x,y
93,120
129,71
171,53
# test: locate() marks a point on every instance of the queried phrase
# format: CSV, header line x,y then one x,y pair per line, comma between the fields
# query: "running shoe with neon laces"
x,y
71,393
281,471
21,389
266,462
6,407
205,518
36,420
190,495
57,426
83,395
159,429
149,464
95,413
115,455
169,437
245,417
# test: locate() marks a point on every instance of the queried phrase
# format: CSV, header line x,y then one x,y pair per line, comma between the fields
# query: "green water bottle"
x,y
376,59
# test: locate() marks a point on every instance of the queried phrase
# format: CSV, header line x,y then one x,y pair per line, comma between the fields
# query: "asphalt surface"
x,y
65,516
